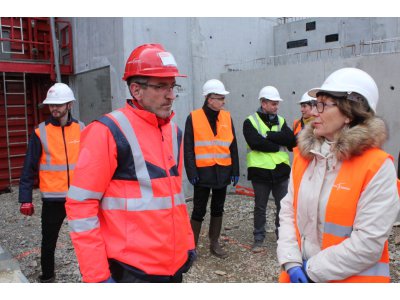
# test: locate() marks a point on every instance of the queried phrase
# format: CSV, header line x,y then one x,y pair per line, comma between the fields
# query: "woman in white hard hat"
x,y
306,103
342,199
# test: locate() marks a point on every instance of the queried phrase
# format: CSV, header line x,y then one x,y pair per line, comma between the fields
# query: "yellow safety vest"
x,y
266,160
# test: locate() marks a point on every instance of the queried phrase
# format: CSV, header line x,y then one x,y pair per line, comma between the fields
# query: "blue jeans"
x,y
262,191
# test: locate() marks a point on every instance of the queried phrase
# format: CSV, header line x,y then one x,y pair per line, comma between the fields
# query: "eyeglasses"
x,y
321,106
165,88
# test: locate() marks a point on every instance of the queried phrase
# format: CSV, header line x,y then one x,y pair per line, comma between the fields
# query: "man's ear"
x,y
135,90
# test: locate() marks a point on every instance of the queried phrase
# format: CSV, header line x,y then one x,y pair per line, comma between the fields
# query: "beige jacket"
x,y
377,209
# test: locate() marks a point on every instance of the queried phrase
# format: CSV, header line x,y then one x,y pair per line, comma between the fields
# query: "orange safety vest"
x,y
296,129
60,150
297,126
212,150
138,214
354,176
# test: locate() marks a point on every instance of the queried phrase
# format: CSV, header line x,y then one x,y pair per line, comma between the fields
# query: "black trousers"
x,y
262,191
53,215
200,200
122,274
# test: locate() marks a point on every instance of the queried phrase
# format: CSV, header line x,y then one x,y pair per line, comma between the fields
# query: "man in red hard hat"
x,y
126,209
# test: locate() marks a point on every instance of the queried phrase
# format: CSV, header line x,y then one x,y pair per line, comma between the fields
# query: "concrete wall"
x,y
351,31
293,80
201,46
98,43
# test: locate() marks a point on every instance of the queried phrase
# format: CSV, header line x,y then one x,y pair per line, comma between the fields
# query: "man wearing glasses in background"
x,y
211,160
126,208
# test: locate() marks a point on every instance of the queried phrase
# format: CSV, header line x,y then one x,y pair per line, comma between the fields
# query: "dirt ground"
x,y
21,236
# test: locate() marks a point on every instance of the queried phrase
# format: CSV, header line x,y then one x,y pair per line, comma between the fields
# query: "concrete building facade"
x,y
246,53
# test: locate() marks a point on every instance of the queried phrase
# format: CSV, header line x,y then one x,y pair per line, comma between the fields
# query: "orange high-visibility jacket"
x,y
342,208
297,126
296,129
126,201
212,149
60,150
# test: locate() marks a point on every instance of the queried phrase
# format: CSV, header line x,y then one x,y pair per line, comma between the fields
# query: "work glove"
x,y
27,209
234,180
194,180
297,275
304,267
108,280
192,255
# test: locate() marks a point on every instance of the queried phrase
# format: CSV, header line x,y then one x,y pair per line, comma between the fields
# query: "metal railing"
x,y
285,20
365,48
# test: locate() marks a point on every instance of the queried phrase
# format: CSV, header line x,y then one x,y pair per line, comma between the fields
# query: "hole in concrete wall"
x,y
250,43
332,38
242,95
310,26
296,44
293,93
210,36
392,87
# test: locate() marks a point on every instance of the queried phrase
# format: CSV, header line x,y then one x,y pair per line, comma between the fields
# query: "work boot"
x,y
214,232
258,246
196,228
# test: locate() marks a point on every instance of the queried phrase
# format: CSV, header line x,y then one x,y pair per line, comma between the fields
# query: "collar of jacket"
x,y
348,142
149,117
266,117
55,122
210,113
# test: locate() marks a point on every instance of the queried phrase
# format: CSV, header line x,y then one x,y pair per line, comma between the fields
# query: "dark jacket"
x,y
271,143
31,165
216,176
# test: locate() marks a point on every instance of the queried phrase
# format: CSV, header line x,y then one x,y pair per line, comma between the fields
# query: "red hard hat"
x,y
151,60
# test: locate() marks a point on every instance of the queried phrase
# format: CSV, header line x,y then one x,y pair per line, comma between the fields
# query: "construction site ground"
x,y
21,236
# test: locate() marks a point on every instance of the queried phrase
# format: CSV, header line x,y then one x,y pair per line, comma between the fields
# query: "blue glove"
x,y
297,275
234,180
108,280
192,255
304,267
194,180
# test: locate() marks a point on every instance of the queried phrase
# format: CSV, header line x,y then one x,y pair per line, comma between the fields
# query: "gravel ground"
x,y
21,236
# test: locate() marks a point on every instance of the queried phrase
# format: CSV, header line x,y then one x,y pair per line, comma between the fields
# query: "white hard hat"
x,y
269,93
59,93
214,86
307,98
350,83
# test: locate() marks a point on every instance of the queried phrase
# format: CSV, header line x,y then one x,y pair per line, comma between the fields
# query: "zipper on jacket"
x,y
66,155
303,246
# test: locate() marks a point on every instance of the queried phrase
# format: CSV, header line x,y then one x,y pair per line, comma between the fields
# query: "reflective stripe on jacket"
x,y
60,150
341,208
212,150
266,160
126,201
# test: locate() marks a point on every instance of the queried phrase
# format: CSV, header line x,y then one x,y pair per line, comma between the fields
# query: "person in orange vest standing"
x,y
211,160
52,153
343,199
306,103
126,209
